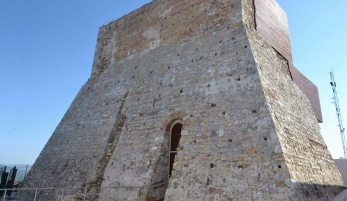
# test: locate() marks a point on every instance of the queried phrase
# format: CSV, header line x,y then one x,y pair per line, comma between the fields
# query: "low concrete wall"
x,y
342,166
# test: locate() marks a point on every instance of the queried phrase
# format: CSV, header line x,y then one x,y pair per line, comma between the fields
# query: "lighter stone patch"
x,y
214,88
152,33
202,8
184,132
154,44
264,124
280,103
112,47
221,132
274,136
162,15
278,149
186,117
116,91
211,70
158,139
291,183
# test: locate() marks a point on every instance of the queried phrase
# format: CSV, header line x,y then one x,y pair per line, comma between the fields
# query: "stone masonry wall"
x,y
208,82
160,23
313,173
75,154
201,63
219,109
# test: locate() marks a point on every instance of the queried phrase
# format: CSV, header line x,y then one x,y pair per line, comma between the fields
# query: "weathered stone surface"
x,y
249,132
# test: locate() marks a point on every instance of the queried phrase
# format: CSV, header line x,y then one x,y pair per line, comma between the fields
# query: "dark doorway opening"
x,y
174,141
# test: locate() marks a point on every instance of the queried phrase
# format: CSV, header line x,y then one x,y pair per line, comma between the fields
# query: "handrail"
x,y
13,189
62,191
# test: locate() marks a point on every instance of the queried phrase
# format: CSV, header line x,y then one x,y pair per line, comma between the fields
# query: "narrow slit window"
x,y
174,141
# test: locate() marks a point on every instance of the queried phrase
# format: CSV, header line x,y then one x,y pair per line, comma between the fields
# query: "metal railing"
x,y
68,194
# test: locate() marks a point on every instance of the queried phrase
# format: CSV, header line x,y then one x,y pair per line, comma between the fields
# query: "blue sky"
x,y
47,49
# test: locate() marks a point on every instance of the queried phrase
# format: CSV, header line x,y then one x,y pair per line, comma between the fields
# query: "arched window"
x,y
174,141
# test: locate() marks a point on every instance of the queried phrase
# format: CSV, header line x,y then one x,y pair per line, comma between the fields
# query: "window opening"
x,y
174,141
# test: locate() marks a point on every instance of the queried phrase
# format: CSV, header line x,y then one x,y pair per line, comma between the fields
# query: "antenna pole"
x,y
339,117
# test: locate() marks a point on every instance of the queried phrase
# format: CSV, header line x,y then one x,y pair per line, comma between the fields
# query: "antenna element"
x,y
339,117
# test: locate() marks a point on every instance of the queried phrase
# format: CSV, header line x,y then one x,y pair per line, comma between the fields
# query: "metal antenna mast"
x,y
339,117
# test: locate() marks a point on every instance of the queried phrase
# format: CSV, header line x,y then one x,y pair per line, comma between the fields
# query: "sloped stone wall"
x,y
313,174
76,154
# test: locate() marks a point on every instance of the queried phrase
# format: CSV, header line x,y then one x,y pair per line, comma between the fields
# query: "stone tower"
x,y
193,100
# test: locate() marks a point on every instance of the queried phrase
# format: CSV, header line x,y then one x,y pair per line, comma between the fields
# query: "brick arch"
x,y
181,116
